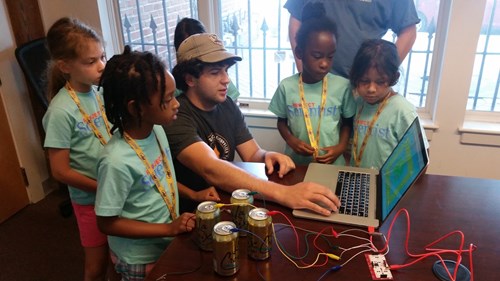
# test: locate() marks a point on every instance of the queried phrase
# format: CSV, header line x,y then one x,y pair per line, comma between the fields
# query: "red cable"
x,y
271,213
433,251
318,248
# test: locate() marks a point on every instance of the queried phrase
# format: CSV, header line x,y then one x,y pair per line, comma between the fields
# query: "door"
x,y
13,194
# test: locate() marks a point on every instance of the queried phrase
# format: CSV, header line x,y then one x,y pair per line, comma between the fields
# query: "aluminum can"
x,y
240,212
226,253
260,242
207,216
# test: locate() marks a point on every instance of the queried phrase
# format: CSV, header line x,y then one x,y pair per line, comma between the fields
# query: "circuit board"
x,y
378,266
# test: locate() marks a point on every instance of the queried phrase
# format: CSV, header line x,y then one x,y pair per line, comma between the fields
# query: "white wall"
x,y
86,11
448,155
15,92
19,113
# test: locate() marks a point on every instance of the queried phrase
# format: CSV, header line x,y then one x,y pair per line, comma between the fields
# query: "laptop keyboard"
x,y
352,190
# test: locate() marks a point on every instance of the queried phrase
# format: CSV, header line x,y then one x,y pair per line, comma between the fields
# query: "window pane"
x,y
260,36
415,69
149,25
483,93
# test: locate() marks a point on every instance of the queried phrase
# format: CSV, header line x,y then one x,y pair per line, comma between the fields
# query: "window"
x,y
483,93
149,25
415,69
260,36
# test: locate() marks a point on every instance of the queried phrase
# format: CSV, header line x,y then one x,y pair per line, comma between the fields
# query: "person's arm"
x,y
62,171
201,159
333,152
293,27
118,226
250,151
207,194
299,146
405,40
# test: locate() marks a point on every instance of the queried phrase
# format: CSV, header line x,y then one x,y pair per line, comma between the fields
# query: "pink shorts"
x,y
90,235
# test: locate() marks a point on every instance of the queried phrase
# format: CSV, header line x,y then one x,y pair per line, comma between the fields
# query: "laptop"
x,y
384,187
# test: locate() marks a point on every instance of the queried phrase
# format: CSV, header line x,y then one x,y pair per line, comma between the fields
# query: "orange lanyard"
x,y
149,170
314,140
357,157
86,117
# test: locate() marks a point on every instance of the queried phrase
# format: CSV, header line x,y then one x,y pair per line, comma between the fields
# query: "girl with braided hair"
x,y
137,198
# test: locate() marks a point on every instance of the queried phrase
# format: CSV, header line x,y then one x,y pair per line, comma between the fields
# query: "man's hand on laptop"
x,y
311,196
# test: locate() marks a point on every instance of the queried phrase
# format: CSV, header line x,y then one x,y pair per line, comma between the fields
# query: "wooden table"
x,y
437,205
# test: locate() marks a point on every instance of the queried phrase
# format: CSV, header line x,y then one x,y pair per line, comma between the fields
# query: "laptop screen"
x,y
402,168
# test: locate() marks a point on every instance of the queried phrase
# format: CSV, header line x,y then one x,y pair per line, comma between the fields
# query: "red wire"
x,y
298,241
318,235
433,251
293,227
318,248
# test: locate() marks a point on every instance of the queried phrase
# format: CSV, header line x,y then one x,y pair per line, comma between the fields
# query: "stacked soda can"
x,y
226,252
207,216
260,242
242,200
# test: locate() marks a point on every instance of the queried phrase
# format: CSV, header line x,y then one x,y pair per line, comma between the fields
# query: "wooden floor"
x,y
39,244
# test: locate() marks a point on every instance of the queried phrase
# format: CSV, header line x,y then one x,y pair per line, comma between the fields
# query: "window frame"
x,y
209,12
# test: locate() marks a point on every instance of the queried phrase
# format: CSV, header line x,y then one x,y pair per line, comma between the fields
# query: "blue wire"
x,y
331,269
243,230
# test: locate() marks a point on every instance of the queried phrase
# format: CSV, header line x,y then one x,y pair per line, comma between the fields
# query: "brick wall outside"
x,y
142,13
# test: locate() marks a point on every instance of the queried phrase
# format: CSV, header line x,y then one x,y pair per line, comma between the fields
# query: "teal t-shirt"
x,y
126,190
65,129
396,117
232,91
339,104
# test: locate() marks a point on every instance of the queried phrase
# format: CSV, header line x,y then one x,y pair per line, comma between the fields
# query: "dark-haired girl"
x,y
315,108
137,198
382,115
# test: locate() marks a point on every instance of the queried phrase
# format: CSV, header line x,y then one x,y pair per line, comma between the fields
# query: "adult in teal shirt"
x,y
357,21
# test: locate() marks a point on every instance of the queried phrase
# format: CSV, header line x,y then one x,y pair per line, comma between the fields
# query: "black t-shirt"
x,y
222,129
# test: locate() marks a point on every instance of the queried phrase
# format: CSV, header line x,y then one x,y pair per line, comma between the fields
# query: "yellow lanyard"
x,y
86,117
149,170
356,156
307,117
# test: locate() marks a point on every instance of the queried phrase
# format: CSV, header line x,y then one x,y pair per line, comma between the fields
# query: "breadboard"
x,y
378,266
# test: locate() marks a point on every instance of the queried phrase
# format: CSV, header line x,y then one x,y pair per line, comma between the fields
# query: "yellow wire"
x,y
292,261
233,204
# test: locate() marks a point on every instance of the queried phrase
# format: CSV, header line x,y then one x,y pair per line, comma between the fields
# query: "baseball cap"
x,y
206,47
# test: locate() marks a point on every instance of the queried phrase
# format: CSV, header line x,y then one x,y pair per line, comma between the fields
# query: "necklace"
x,y
357,156
171,204
314,140
86,117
